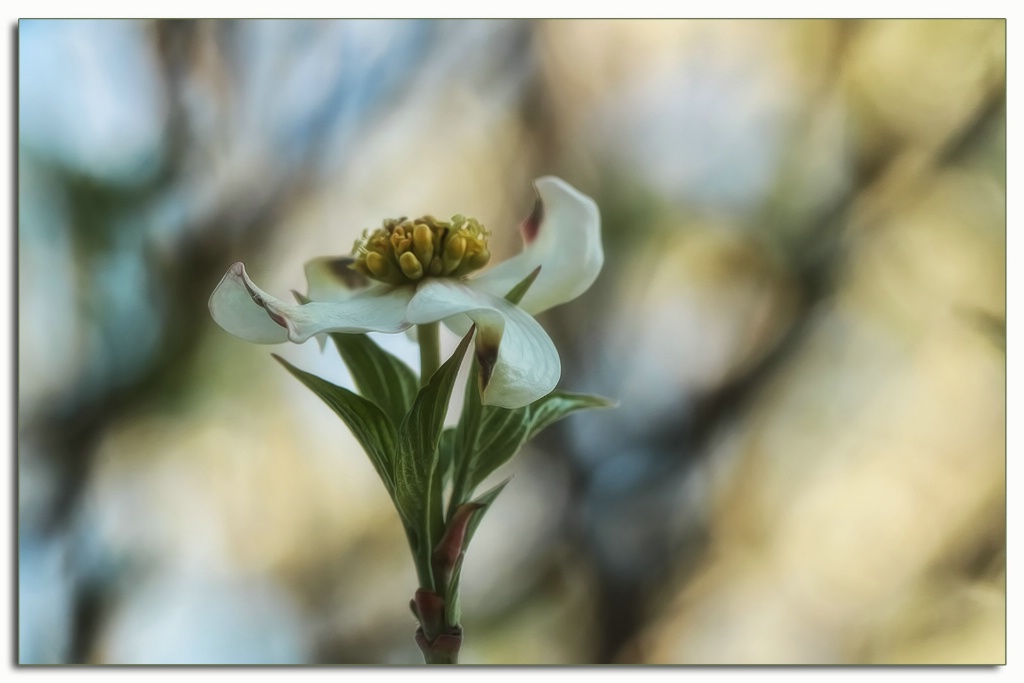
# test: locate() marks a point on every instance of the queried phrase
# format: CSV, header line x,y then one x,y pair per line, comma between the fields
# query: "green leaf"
x,y
503,431
516,294
559,404
379,376
368,423
484,500
452,606
418,477
469,420
482,504
465,441
446,454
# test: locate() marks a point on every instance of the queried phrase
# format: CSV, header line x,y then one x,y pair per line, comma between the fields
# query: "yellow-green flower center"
x,y
405,251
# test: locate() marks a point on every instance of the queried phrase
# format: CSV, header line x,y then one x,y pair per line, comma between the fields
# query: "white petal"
x,y
519,362
246,311
329,278
563,236
233,308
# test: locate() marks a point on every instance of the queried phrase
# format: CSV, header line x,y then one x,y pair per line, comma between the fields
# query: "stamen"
x,y
436,266
411,266
378,265
404,251
400,242
453,252
423,243
477,260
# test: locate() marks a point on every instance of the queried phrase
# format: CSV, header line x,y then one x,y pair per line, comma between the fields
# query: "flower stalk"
x,y
430,351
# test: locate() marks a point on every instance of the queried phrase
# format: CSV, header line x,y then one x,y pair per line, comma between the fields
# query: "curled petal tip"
x,y
486,358
238,306
530,226
562,233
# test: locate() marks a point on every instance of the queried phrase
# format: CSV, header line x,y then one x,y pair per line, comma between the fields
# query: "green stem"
x,y
430,351
439,642
432,656
424,572
443,648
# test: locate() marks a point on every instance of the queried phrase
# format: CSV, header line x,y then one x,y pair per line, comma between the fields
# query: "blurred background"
x,y
802,315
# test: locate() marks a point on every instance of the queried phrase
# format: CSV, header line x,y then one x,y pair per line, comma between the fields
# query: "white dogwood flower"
x,y
419,272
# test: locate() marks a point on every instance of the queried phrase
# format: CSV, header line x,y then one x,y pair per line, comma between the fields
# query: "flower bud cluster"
x,y
404,251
